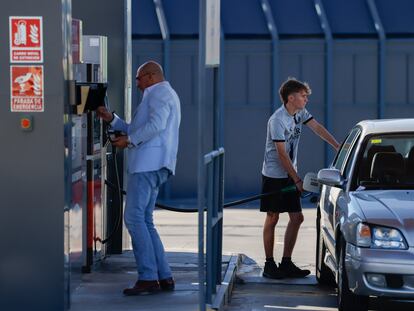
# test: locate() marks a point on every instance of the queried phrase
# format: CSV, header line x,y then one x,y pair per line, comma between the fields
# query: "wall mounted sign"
x,y
26,39
26,89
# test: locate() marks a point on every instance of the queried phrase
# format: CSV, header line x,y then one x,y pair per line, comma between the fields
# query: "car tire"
x,y
347,300
324,275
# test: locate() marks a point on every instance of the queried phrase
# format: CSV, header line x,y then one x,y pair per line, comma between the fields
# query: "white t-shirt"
x,y
283,127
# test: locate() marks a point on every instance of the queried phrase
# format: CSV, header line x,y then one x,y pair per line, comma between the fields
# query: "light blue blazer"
x,y
153,131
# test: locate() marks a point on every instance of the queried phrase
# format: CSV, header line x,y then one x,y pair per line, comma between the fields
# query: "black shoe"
x,y
271,271
292,271
167,284
143,288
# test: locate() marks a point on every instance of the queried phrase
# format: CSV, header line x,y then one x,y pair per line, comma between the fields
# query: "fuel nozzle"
x,y
112,135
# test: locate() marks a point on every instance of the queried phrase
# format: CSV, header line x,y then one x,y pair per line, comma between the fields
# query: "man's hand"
x,y
288,166
299,186
120,142
103,113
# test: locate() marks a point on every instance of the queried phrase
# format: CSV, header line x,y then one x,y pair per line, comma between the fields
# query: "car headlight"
x,y
363,235
383,237
379,237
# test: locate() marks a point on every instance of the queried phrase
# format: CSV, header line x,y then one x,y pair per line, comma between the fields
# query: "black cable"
x,y
118,187
233,203
112,186
228,204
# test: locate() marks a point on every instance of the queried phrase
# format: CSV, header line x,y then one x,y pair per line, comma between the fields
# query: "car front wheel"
x,y
324,275
347,300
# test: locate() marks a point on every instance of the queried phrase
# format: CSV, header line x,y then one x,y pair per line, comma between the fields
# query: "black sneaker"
x,y
271,271
292,271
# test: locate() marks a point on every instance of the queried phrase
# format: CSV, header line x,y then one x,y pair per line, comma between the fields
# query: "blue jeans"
x,y
148,250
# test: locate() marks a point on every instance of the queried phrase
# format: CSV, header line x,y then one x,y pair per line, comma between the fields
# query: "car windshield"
x,y
387,162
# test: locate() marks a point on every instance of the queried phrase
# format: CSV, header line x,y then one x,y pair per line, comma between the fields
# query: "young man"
x,y
280,170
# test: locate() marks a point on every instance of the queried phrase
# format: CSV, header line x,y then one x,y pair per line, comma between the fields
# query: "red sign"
x,y
26,39
26,88
76,41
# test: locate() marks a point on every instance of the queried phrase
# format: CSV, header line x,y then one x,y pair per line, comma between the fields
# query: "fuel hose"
x,y
228,204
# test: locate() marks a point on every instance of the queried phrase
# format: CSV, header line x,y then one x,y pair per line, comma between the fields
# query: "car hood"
x,y
391,208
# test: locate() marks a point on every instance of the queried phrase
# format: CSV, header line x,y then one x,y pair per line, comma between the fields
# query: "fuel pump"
x,y
89,96
90,75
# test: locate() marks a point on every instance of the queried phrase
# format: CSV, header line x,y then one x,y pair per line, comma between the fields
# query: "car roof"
x,y
386,126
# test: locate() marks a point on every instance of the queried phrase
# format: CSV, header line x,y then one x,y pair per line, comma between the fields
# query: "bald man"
x,y
152,141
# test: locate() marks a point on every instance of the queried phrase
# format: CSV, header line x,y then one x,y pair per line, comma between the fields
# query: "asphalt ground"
x,y
242,234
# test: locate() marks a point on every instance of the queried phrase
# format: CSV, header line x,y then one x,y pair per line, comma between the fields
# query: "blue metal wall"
x,y
248,76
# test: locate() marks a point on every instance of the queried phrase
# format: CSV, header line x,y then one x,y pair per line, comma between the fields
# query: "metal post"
x,y
200,177
216,223
210,267
215,176
217,216
328,73
220,144
213,161
127,103
218,78
220,201
218,139
67,117
210,160
209,241
128,62
381,57
271,25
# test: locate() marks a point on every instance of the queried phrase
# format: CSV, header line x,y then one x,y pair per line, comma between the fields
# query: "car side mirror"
x,y
331,177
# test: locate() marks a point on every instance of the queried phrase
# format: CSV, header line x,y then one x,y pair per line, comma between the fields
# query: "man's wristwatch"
x,y
130,145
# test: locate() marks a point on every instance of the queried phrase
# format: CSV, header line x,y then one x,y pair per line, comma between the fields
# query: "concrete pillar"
x,y
32,170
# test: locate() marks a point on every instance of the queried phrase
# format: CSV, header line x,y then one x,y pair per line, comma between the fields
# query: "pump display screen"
x,y
96,96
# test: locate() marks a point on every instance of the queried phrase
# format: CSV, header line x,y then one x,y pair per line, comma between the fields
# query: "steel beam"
x,y
320,11
381,57
271,26
165,33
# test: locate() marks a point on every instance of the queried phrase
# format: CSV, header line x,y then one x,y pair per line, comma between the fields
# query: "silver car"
x,y
365,215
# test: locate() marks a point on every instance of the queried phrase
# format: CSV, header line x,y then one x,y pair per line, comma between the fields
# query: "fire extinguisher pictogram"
x,y
20,36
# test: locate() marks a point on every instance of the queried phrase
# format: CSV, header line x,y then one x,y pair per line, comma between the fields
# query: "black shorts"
x,y
281,202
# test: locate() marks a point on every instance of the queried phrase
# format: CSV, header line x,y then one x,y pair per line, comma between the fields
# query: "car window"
x,y
387,162
345,149
350,158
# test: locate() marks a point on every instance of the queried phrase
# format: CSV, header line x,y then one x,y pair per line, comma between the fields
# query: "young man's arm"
x,y
321,131
287,165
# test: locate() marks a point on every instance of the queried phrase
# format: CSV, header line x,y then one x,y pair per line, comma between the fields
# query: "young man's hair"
x,y
290,86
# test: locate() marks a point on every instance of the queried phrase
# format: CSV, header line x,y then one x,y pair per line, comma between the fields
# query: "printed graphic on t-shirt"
x,y
295,133
293,137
